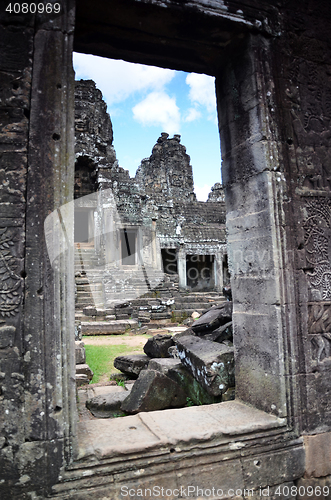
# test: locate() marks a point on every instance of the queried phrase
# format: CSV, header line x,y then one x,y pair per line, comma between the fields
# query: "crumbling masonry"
x,y
272,63
159,224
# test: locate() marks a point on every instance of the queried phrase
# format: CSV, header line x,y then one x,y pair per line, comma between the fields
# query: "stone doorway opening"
x,y
200,272
128,238
169,260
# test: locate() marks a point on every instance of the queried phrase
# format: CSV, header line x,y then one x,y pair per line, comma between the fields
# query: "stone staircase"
x,y
127,293
88,278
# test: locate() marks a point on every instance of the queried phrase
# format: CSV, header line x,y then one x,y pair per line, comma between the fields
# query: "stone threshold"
x,y
175,428
224,437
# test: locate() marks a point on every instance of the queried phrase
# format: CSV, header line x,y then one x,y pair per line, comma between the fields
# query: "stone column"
x,y
37,413
253,194
218,271
181,267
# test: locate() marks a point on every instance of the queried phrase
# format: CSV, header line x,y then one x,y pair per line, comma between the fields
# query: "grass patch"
x,y
100,358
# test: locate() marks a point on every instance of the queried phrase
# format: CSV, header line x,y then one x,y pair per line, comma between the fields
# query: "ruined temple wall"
x,y
167,173
93,127
36,150
274,124
305,88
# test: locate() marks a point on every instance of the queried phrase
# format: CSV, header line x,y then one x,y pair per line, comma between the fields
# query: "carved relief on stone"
x,y
10,282
319,317
321,351
317,226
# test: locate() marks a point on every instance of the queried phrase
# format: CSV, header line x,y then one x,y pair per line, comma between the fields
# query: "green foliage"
x,y
190,402
100,358
121,383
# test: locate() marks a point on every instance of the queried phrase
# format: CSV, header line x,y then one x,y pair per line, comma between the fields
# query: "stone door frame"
x,y
236,48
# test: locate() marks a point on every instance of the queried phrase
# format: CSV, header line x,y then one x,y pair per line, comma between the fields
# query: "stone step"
x,y
188,312
192,305
115,327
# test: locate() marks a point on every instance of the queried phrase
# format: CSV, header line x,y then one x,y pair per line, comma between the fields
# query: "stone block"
x,y
317,412
104,327
81,379
131,364
267,469
213,318
144,317
259,357
84,369
163,365
211,364
318,455
184,333
6,336
221,333
80,355
122,316
78,331
192,388
314,488
90,311
153,391
106,405
157,346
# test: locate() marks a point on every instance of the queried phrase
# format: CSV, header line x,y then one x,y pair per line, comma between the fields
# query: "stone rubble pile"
x,y
189,368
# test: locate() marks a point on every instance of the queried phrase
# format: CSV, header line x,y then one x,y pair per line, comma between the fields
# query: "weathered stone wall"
x,y
150,200
272,63
304,104
167,173
37,417
274,116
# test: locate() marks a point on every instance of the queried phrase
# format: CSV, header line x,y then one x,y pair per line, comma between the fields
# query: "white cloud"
x,y
202,94
202,90
118,79
158,109
202,192
192,114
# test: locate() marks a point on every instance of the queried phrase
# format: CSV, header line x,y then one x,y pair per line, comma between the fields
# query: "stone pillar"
x,y
218,271
181,267
37,408
253,193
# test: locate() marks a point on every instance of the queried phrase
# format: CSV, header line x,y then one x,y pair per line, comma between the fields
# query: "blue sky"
x,y
144,101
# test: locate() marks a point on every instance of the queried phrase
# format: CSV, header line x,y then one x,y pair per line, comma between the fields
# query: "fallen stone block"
x,y
80,355
163,365
122,316
81,379
184,333
144,317
163,315
173,353
213,318
78,331
104,327
106,405
192,388
211,364
195,315
84,369
131,364
157,346
221,334
90,311
153,391
174,369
